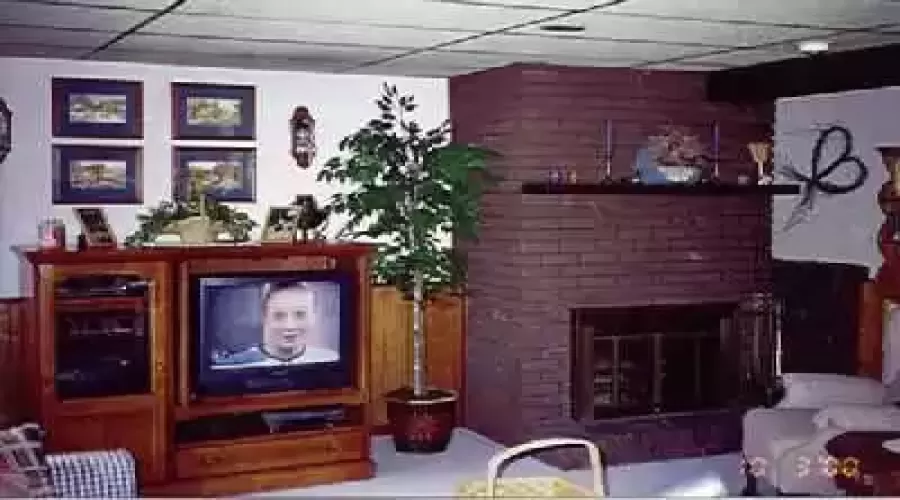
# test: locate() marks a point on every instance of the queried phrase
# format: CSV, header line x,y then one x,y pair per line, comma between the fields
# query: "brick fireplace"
x,y
551,270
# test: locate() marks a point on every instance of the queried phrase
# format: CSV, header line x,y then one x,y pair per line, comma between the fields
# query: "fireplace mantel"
x,y
618,187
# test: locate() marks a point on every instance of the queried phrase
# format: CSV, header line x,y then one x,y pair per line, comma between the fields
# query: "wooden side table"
x,y
863,467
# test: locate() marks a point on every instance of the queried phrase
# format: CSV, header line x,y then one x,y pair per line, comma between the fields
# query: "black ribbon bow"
x,y
817,182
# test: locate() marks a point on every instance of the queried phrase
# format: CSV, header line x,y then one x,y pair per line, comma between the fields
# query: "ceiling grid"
x,y
440,37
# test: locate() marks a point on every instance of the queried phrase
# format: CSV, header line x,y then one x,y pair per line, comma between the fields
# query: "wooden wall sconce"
x,y
303,137
5,130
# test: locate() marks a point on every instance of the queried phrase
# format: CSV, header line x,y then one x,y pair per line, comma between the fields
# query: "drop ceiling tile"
x,y
611,26
414,13
196,59
148,5
558,5
68,16
426,70
299,31
47,51
822,13
856,41
677,66
52,37
448,63
481,60
839,43
741,57
188,45
576,48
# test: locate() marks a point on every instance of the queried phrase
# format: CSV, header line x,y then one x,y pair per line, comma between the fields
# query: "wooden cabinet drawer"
x,y
283,451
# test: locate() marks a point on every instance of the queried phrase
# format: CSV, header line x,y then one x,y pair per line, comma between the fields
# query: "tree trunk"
x,y
418,336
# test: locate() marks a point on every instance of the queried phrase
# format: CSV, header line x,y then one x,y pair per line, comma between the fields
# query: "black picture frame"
x,y
95,227
5,130
84,175
230,172
210,111
98,108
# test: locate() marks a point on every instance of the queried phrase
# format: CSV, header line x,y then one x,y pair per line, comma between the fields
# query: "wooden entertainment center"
x,y
108,365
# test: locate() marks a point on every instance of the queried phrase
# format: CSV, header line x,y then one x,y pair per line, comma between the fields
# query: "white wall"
x,y
842,228
340,104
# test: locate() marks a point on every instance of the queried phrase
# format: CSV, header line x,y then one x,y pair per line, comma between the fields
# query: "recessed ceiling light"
x,y
813,46
562,28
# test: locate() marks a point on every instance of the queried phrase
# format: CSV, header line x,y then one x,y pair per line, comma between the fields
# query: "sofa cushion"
x,y
23,466
818,390
859,418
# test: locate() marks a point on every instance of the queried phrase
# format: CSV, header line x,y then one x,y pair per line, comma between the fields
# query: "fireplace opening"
x,y
659,359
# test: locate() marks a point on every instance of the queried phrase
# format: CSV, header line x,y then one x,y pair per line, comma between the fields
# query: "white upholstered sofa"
x,y
784,447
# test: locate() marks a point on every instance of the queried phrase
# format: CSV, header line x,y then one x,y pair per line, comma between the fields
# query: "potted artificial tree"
x,y
407,186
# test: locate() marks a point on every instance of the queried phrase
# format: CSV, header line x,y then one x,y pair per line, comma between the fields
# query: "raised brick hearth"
x,y
541,256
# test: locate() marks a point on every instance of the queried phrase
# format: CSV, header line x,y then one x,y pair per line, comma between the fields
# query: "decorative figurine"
x,y
303,137
309,216
761,152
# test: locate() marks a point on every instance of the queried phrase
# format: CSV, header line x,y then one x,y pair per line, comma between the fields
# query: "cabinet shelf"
x,y
98,304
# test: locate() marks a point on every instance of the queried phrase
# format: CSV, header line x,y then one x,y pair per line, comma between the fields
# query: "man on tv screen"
x,y
288,320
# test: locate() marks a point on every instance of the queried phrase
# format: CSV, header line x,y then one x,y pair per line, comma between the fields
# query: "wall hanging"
x,y
5,130
97,175
207,111
97,108
303,137
227,174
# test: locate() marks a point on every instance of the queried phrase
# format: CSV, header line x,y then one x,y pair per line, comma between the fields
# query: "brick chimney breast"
x,y
540,257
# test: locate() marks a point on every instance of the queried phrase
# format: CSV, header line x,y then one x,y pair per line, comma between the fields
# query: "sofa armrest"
x,y
93,474
802,469
764,426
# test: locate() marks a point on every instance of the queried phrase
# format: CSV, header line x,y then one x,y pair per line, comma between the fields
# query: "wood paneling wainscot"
x,y
391,333
12,326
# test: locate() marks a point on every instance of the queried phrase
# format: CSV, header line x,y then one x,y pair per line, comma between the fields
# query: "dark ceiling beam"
x,y
824,73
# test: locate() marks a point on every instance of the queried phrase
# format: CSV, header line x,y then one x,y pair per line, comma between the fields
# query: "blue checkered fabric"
x,y
93,474
23,467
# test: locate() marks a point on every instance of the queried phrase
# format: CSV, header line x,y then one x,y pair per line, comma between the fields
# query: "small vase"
x,y
890,155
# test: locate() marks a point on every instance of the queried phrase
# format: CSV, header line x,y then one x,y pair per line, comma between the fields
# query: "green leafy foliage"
x,y
405,185
154,223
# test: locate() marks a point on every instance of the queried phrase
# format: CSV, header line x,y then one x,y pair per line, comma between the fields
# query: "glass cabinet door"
x,y
102,336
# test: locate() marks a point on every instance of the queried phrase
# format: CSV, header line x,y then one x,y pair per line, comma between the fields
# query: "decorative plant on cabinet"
x,y
407,186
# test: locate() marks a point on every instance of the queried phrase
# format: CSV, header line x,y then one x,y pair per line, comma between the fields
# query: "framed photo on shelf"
x,y
97,175
208,111
226,174
95,108
280,225
95,227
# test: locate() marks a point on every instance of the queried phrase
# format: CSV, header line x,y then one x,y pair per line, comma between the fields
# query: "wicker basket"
x,y
535,487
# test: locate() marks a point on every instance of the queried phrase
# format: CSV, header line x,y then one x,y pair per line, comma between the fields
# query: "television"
x,y
272,332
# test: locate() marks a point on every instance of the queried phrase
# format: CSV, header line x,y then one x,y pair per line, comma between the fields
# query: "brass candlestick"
x,y
762,156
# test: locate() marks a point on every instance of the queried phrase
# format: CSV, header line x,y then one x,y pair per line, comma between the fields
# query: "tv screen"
x,y
274,332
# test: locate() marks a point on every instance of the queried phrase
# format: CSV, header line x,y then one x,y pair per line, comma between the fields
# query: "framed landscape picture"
x,y
98,108
226,174
97,175
206,111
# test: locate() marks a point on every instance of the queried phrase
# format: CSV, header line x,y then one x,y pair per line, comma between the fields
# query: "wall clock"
x,y
5,130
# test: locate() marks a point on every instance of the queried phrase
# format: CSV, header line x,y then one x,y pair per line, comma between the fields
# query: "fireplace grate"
x,y
633,361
